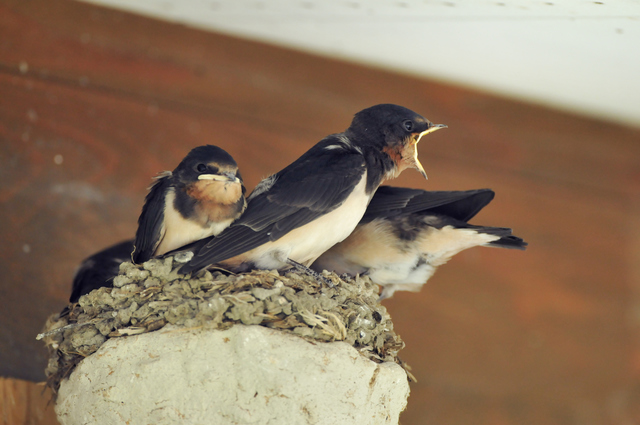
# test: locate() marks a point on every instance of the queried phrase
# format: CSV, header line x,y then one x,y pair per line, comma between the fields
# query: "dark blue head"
x,y
394,130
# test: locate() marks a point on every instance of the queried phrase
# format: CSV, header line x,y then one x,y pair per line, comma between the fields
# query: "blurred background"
x,y
542,100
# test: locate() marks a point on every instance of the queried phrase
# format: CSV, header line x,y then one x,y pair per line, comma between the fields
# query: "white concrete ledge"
x,y
243,375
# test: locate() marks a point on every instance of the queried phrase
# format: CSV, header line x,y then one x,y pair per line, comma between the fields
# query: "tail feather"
x,y
510,242
507,239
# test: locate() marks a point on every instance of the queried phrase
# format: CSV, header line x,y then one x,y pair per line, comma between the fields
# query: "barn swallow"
x,y
200,198
406,234
99,269
295,215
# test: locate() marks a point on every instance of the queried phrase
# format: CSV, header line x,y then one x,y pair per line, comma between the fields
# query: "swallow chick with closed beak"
x,y
295,215
406,234
200,198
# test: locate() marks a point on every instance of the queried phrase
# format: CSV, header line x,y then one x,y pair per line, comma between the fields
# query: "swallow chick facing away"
x,y
295,215
99,269
200,198
406,234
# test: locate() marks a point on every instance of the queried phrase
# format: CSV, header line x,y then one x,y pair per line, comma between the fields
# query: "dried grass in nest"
x,y
146,297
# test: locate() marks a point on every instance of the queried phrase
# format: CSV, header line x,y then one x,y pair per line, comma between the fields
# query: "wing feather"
x,y
314,185
390,201
150,223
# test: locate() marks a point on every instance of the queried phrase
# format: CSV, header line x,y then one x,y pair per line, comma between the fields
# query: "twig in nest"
x,y
62,329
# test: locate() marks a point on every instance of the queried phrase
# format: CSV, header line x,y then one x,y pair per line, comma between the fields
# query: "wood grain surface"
x,y
25,403
94,102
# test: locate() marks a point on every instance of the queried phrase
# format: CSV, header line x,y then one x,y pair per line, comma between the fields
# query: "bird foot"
x,y
306,270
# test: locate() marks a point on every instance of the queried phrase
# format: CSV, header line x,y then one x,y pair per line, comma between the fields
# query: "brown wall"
x,y
25,403
546,336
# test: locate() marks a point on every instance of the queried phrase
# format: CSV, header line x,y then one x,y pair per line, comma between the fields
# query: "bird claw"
x,y
306,270
324,279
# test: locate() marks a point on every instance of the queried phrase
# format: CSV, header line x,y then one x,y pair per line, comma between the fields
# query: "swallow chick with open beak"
x,y
406,234
295,215
200,198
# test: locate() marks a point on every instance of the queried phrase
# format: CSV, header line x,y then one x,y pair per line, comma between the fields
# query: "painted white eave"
x,y
582,56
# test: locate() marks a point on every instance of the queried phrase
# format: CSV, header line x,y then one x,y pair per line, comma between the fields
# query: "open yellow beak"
x,y
417,164
431,129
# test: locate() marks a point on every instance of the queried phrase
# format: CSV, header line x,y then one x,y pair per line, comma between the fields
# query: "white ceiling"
x,y
578,55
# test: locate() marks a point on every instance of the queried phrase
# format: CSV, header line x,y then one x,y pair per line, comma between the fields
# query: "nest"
x,y
147,297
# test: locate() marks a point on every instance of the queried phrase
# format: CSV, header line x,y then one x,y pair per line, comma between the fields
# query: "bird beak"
x,y
417,164
224,177
431,129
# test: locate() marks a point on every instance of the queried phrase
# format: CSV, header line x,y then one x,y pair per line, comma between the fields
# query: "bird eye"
x,y
408,125
201,168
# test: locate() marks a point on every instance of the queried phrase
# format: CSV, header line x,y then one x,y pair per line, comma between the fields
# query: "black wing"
x,y
314,185
99,269
390,201
151,220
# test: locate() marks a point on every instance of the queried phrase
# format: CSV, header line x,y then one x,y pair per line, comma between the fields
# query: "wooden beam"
x,y
25,403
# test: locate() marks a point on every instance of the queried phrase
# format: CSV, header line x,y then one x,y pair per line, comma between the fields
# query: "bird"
x,y
405,234
201,197
99,269
296,214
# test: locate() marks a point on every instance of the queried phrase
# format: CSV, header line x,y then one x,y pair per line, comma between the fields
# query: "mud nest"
x,y
147,297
